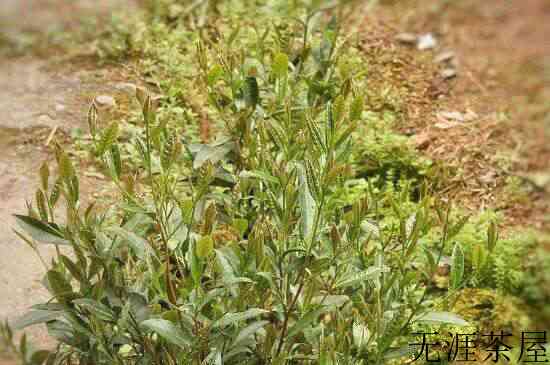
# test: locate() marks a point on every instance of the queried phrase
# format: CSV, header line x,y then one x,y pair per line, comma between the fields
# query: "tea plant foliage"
x,y
249,249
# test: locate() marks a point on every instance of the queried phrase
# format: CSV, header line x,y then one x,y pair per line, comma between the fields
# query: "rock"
x,y
126,87
426,41
449,119
450,116
106,100
444,57
406,38
448,73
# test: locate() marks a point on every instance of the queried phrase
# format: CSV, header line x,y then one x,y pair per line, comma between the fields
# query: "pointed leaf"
x,y
248,331
205,247
306,320
98,309
307,205
233,318
168,331
35,317
457,267
40,231
138,244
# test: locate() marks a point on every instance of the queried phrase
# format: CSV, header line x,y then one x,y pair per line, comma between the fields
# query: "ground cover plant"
x,y
264,213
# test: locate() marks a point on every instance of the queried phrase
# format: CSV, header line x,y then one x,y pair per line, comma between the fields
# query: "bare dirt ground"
x,y
502,57
35,100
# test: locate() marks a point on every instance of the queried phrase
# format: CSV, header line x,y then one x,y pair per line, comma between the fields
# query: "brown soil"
x,y
503,61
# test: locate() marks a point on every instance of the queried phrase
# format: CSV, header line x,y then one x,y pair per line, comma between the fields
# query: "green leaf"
x,y
248,331
59,286
65,166
307,205
356,278
330,300
356,108
168,331
92,118
98,309
312,180
492,236
361,335
44,176
241,225
62,332
138,244
370,228
304,322
196,267
39,357
72,268
315,134
35,317
251,92
138,306
115,164
256,174
109,137
280,65
39,231
210,153
457,267
330,124
215,73
233,318
205,247
442,317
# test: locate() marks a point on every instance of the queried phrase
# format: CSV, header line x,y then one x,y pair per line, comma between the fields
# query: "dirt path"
x,y
34,100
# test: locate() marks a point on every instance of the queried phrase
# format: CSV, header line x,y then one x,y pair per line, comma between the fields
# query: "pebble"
x,y
449,119
407,38
126,87
59,107
448,73
444,57
426,41
106,100
455,116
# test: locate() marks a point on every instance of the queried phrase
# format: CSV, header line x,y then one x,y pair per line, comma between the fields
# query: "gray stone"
x,y
126,87
448,73
444,57
426,41
406,38
106,100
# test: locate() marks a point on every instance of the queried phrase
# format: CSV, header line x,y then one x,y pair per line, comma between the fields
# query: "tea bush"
x,y
305,232
260,247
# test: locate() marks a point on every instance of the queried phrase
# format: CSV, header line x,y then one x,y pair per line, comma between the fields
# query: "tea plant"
x,y
244,250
